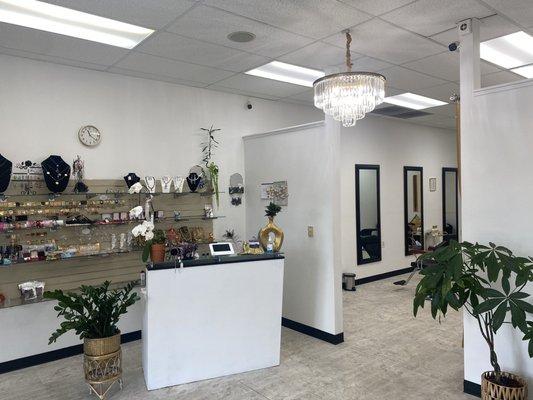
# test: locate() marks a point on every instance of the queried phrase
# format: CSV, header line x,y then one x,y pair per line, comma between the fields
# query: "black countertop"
x,y
216,260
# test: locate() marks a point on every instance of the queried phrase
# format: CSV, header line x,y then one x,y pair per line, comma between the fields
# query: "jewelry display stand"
x,y
71,239
56,173
6,168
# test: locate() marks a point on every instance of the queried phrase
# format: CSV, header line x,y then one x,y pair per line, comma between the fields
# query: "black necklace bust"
x,y
6,167
131,179
56,173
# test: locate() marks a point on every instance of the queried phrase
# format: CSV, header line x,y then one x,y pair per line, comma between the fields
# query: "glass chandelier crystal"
x,y
348,96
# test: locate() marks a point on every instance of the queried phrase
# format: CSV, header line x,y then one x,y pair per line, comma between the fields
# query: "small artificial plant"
x,y
208,149
94,312
158,237
272,210
488,282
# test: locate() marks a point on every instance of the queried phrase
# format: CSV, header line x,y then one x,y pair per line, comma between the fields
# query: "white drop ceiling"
x,y
405,40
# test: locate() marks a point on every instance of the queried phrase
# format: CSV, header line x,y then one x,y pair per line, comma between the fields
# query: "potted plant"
x,y
208,149
155,246
488,282
93,314
271,228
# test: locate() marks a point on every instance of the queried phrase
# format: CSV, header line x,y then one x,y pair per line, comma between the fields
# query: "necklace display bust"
x,y
131,179
56,173
6,167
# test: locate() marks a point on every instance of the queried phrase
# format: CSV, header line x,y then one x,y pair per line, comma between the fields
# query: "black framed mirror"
x,y
367,213
413,192
450,204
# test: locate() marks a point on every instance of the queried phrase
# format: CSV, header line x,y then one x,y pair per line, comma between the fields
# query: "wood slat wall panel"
x,y
71,273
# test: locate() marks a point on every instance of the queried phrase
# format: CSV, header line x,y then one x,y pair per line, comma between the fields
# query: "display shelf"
x,y
19,301
113,223
89,195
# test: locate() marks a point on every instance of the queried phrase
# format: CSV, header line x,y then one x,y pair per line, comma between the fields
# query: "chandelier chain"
x,y
348,54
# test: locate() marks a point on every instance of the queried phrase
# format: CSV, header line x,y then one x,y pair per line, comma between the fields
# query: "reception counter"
x,y
213,317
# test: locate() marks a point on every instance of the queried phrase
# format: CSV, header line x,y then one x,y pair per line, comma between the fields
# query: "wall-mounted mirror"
x,y
450,204
367,213
413,193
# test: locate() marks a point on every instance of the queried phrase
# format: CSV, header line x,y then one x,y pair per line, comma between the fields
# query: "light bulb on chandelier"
x,y
348,96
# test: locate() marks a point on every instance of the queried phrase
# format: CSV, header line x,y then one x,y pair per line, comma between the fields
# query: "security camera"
x,y
249,105
454,46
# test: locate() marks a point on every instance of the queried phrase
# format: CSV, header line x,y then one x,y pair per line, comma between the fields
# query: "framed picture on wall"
x,y
432,184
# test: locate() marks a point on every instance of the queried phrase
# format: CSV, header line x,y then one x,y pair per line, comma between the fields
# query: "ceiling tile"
x,y
520,11
318,55
170,68
441,92
445,66
500,78
379,39
447,110
377,7
149,14
304,97
53,45
428,17
145,75
368,64
434,120
180,48
213,25
407,80
254,84
313,18
490,28
56,60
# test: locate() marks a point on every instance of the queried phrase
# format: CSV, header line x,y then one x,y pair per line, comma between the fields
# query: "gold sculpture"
x,y
271,228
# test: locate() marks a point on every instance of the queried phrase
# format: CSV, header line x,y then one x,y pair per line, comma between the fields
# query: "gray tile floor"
x,y
387,354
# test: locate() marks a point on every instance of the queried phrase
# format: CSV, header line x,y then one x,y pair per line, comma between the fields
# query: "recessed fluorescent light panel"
x,y
413,101
510,51
287,73
526,71
65,21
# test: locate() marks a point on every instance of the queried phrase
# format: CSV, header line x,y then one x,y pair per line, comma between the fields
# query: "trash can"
x,y
348,281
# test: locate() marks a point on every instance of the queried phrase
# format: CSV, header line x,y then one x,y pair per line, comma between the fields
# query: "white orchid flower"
x,y
136,231
135,188
149,225
149,235
136,212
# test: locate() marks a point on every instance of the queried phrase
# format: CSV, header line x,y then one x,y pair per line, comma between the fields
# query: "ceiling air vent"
x,y
399,112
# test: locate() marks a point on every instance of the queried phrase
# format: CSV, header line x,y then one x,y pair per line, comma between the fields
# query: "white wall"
x,y
392,144
307,158
497,187
148,127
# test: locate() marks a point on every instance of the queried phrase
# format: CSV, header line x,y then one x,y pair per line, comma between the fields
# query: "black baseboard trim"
x,y
385,275
310,331
472,388
54,355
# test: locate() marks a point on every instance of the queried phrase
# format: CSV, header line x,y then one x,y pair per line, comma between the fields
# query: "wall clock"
x,y
89,135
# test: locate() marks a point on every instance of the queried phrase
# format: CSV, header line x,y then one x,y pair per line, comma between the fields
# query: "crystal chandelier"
x,y
348,96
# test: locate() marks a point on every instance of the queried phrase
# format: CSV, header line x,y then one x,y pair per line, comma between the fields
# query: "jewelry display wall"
x,y
71,239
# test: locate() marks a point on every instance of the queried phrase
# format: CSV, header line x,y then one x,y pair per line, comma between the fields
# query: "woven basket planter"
x,y
102,364
493,391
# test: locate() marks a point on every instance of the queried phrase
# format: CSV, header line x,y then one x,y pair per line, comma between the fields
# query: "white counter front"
x,y
206,321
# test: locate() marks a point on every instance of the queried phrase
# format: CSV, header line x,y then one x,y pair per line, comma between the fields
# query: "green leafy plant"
x,y
487,281
213,176
272,210
94,312
159,238
209,146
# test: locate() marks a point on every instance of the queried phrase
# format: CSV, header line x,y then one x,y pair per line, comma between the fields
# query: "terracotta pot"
x,y
157,253
493,391
102,364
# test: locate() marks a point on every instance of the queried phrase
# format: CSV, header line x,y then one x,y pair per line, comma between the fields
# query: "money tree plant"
x,y
488,282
